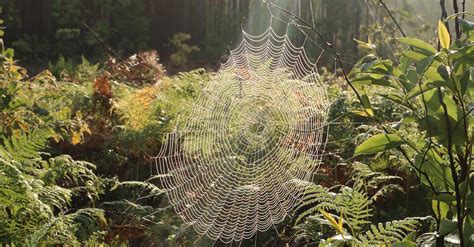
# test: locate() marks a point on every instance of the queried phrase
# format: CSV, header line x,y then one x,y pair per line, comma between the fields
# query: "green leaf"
x,y
412,77
418,44
464,82
379,143
446,227
432,74
335,224
470,197
443,72
440,209
432,165
418,91
423,65
372,79
395,98
445,197
437,118
404,63
464,53
405,243
366,103
468,230
415,55
443,35
466,25
410,237
9,53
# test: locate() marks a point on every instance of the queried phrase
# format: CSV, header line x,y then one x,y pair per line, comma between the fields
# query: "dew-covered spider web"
x,y
241,156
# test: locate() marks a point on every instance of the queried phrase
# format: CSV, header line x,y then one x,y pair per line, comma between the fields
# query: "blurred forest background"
x,y
41,31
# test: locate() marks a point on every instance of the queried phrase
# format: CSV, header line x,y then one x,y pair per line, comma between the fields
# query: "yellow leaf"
x,y
76,138
337,226
366,113
340,223
443,34
366,45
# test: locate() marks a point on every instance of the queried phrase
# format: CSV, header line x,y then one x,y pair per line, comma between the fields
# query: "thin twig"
x,y
428,124
329,45
102,42
463,8
456,19
464,166
444,13
392,17
452,165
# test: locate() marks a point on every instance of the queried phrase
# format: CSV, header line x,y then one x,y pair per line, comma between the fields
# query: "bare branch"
x,y
456,19
392,17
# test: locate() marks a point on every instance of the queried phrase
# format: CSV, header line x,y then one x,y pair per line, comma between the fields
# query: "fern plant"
x,y
36,195
348,212
354,206
376,184
388,233
25,147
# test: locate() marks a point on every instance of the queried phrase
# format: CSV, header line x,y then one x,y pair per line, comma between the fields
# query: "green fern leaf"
x,y
388,233
25,147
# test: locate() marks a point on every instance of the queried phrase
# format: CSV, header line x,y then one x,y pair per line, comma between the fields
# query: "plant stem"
x,y
444,13
392,17
452,165
101,41
456,19
463,8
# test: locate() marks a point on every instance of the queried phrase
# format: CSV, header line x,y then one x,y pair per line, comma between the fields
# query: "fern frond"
x,y
56,196
317,197
372,178
25,147
21,210
388,233
87,221
31,198
65,168
355,205
386,190
129,207
141,187
382,184
73,228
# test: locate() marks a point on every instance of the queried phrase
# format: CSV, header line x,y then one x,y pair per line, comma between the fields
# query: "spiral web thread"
x,y
243,155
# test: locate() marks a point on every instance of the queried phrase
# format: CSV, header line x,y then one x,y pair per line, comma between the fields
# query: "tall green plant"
x,y
436,132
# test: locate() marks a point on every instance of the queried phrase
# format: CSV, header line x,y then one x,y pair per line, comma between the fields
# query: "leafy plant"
x,y
179,58
353,225
435,134
139,69
36,195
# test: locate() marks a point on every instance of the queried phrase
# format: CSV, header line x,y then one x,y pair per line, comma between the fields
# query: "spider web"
x,y
240,158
